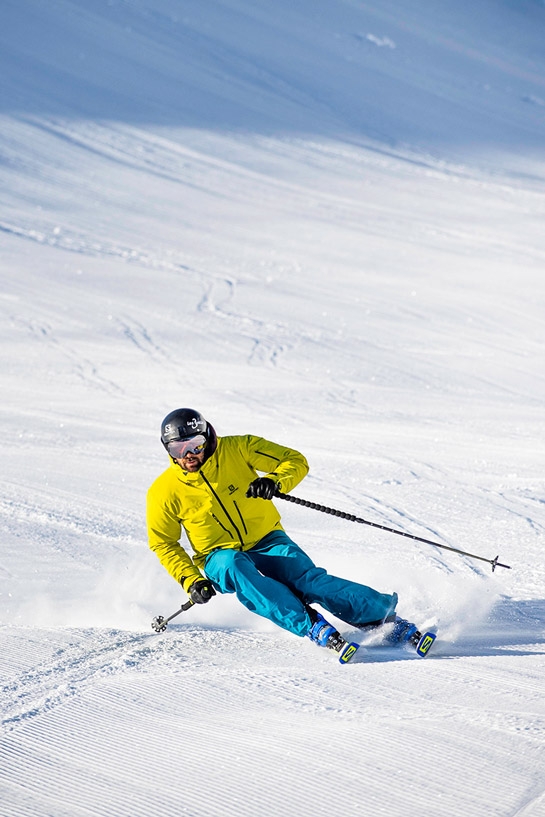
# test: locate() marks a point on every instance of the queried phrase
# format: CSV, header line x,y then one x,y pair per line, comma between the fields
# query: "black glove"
x,y
201,591
262,488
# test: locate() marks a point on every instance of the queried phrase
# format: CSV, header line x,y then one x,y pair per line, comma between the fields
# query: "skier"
x,y
212,490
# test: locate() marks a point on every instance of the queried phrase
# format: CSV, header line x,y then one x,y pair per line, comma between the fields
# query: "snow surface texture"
x,y
321,222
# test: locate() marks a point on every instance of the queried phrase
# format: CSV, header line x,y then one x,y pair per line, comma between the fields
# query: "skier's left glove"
x,y
201,591
262,488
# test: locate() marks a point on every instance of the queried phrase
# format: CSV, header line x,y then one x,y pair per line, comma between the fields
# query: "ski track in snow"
x,y
150,683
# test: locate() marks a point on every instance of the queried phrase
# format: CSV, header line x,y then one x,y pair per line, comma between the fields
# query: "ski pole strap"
x,y
351,518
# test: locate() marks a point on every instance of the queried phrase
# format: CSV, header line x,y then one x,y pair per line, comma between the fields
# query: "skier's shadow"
x,y
512,628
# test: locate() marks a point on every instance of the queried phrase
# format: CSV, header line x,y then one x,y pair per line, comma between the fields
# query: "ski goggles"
x,y
178,449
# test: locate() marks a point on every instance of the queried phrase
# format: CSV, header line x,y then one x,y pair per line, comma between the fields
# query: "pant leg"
x,y
276,555
233,571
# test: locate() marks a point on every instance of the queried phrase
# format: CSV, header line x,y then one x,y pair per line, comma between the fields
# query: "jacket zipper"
x,y
270,456
220,523
224,510
241,517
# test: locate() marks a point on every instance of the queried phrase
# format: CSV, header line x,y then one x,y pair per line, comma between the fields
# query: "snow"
x,y
322,223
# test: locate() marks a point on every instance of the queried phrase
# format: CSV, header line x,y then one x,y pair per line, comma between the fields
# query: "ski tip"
x,y
348,652
424,645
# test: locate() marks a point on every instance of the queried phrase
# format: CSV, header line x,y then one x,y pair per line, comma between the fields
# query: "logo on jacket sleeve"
x,y
232,489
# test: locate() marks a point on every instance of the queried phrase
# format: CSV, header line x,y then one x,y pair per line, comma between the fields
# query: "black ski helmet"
x,y
183,423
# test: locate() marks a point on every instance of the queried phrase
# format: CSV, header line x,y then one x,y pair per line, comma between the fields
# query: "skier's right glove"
x,y
201,591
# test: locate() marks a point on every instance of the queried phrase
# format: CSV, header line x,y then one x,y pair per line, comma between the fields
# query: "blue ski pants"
x,y
276,579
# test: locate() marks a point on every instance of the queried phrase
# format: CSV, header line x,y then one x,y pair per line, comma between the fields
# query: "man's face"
x,y
188,453
191,462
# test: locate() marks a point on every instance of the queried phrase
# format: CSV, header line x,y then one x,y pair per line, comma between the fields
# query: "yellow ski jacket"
x,y
211,504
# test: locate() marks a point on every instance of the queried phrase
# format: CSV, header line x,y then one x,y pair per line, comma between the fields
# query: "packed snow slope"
x,y
320,222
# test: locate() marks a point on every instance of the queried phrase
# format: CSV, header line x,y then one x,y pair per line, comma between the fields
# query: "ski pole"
x,y
159,623
351,518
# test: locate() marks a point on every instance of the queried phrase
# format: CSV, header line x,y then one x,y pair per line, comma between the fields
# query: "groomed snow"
x,y
320,222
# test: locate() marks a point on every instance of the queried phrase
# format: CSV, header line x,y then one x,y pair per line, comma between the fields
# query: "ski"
x,y
424,644
404,634
348,651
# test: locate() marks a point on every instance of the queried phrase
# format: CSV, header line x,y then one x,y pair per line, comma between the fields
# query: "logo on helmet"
x,y
195,424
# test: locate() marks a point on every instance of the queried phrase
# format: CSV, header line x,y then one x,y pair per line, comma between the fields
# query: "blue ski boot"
x,y
403,633
406,633
325,634
321,630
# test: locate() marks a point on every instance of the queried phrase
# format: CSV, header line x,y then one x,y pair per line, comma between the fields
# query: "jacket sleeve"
x,y
284,465
164,531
